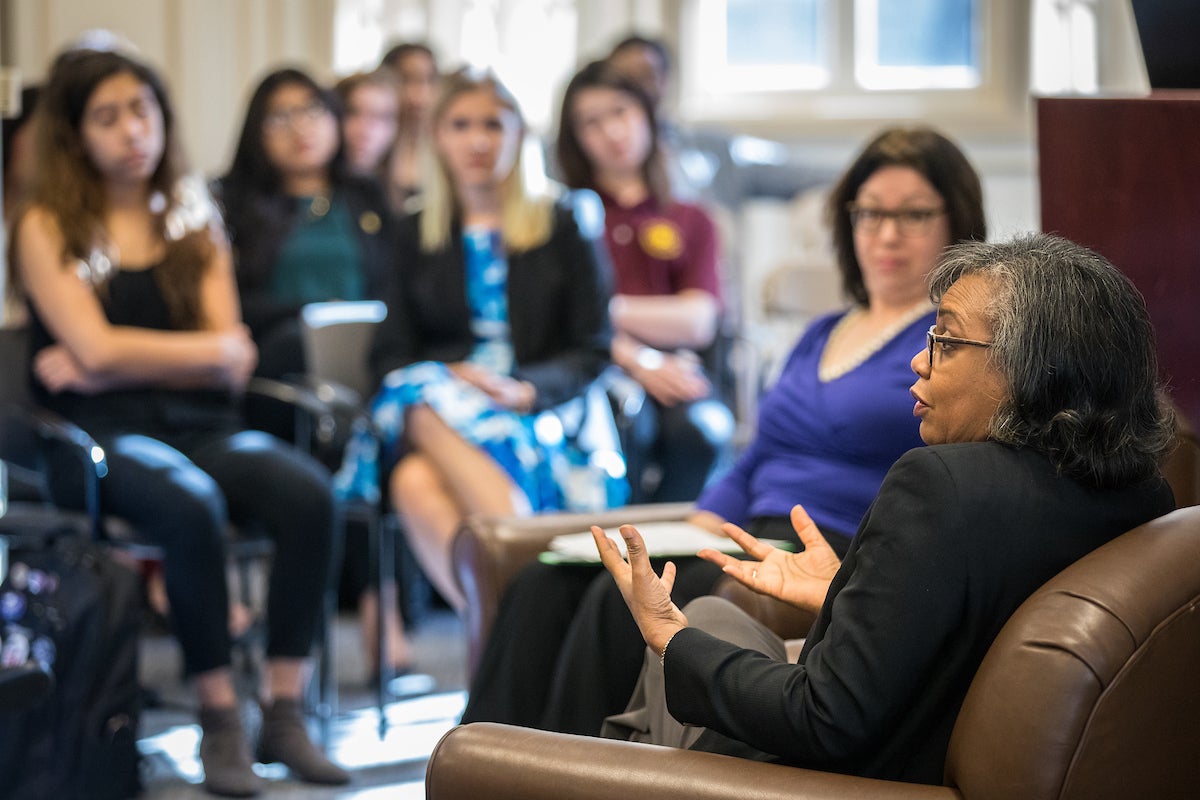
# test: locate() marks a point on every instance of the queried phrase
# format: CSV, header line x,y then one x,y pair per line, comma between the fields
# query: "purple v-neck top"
x,y
828,445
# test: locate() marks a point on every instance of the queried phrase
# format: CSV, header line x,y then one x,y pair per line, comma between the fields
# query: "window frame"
x,y
1000,103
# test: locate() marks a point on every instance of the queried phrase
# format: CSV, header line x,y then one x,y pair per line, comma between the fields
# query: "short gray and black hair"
x,y
1074,341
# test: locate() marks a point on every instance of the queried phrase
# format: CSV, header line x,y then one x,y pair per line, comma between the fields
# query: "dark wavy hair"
x,y
577,170
1074,341
68,185
938,160
257,210
251,168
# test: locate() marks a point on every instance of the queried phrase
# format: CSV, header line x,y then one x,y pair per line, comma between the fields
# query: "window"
x,y
916,44
814,60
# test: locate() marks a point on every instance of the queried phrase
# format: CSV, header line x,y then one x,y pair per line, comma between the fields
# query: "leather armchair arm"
x,y
503,762
489,551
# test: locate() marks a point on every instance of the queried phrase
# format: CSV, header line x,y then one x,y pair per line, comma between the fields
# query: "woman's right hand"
x,y
669,378
239,357
799,579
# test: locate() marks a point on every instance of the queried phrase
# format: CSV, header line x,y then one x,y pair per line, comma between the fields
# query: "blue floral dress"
x,y
538,465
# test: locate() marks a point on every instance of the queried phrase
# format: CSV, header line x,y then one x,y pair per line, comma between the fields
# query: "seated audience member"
x,y
564,654
666,309
416,70
306,228
499,313
136,336
370,112
302,229
1038,397
647,63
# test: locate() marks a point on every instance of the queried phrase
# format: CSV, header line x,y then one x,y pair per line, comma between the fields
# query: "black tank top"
x,y
132,298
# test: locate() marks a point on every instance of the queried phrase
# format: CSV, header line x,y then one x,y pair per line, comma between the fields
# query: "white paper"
x,y
672,538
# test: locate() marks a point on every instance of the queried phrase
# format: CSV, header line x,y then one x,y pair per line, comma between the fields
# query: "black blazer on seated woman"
x,y
958,537
558,297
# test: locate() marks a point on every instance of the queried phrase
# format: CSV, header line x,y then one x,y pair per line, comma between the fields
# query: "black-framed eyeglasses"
x,y
943,340
283,119
909,221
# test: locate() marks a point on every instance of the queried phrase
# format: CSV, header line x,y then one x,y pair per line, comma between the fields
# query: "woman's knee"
x,y
163,493
414,479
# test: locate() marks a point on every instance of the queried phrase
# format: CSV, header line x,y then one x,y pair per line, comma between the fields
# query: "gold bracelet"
x,y
662,657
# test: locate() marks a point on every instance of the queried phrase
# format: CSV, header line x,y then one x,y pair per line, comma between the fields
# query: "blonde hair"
x,y
526,220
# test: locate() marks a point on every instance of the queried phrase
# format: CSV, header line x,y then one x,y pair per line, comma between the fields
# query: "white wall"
x,y
210,52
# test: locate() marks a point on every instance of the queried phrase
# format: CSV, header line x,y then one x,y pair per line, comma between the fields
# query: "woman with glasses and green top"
x,y
303,229
835,421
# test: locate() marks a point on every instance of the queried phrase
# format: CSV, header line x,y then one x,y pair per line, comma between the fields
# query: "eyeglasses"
x,y
909,221
942,341
284,118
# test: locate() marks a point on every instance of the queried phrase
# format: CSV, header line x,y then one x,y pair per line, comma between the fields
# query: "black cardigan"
x,y
558,295
258,227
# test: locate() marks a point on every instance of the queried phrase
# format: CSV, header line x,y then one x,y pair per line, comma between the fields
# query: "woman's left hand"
x,y
647,595
800,579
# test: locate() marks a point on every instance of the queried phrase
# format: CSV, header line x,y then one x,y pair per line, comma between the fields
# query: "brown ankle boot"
x,y
225,754
284,738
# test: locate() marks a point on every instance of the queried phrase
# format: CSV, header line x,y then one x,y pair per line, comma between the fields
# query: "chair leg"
x,y
251,668
381,538
322,688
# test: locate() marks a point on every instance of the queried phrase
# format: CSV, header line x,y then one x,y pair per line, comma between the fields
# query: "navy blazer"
x,y
958,537
558,297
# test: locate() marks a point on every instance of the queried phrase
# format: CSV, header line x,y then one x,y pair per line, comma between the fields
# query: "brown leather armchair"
x,y
1089,691
489,551
1182,466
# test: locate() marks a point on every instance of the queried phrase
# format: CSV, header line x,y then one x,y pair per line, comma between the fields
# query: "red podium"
x,y
1122,176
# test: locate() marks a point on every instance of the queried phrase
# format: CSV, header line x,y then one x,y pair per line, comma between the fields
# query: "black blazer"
x,y
958,537
558,297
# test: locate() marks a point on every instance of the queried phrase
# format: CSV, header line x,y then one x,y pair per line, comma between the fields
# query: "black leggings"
x,y
181,500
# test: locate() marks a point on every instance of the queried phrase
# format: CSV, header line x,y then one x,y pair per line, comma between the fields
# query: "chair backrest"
x,y
1182,468
14,360
1091,688
337,338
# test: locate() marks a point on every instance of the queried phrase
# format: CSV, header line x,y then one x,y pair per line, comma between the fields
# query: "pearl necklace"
x,y
831,372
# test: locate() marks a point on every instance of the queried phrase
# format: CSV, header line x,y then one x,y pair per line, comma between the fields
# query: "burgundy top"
x,y
658,250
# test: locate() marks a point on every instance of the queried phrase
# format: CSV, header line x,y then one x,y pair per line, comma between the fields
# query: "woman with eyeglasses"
x,y
369,121
303,229
306,228
1037,392
137,337
834,422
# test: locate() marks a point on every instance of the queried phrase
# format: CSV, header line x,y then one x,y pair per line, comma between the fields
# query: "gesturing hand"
x,y
800,579
647,595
